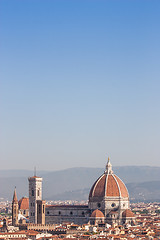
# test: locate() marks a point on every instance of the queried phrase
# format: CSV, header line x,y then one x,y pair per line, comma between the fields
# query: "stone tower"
x,y
41,211
35,194
15,209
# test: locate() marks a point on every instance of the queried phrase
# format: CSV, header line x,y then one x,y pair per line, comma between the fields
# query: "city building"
x,y
108,197
23,204
15,209
36,204
108,204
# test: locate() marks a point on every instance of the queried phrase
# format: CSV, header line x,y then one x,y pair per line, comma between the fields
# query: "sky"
x,y
79,81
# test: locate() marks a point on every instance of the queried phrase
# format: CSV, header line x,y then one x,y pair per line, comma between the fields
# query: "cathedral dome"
x,y
24,203
97,214
108,185
128,213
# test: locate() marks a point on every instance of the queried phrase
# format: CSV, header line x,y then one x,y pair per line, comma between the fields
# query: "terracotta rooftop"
x,y
128,213
97,214
24,203
67,206
35,177
109,185
15,196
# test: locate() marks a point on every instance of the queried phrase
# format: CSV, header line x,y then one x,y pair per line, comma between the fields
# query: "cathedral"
x,y
108,203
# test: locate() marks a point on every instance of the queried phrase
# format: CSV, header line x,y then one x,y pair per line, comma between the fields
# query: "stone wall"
x,y
60,214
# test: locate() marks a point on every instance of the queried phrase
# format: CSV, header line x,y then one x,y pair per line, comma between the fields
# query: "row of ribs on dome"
x,y
108,204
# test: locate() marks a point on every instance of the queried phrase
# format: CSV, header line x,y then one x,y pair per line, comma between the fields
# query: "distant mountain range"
x,y
143,182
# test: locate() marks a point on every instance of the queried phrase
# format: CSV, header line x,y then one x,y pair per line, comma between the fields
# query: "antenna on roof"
x,y
35,171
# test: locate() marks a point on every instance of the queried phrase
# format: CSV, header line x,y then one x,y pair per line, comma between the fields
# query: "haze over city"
x,y
80,81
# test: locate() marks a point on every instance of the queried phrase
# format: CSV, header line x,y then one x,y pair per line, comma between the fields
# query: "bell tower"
x,y
35,194
15,209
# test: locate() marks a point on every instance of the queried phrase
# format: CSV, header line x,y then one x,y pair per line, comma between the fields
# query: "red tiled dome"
x,y
128,213
109,185
24,203
97,214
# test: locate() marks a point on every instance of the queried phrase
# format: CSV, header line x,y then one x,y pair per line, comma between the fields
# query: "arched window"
x,y
43,208
39,209
59,212
71,213
98,205
32,192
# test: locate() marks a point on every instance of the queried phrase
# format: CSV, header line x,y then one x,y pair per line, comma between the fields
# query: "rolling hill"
x,y
74,183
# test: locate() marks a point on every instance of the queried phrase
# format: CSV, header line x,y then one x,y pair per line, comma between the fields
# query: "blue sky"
x,y
80,80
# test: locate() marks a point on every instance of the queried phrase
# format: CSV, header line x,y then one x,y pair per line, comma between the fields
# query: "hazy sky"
x,y
80,80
